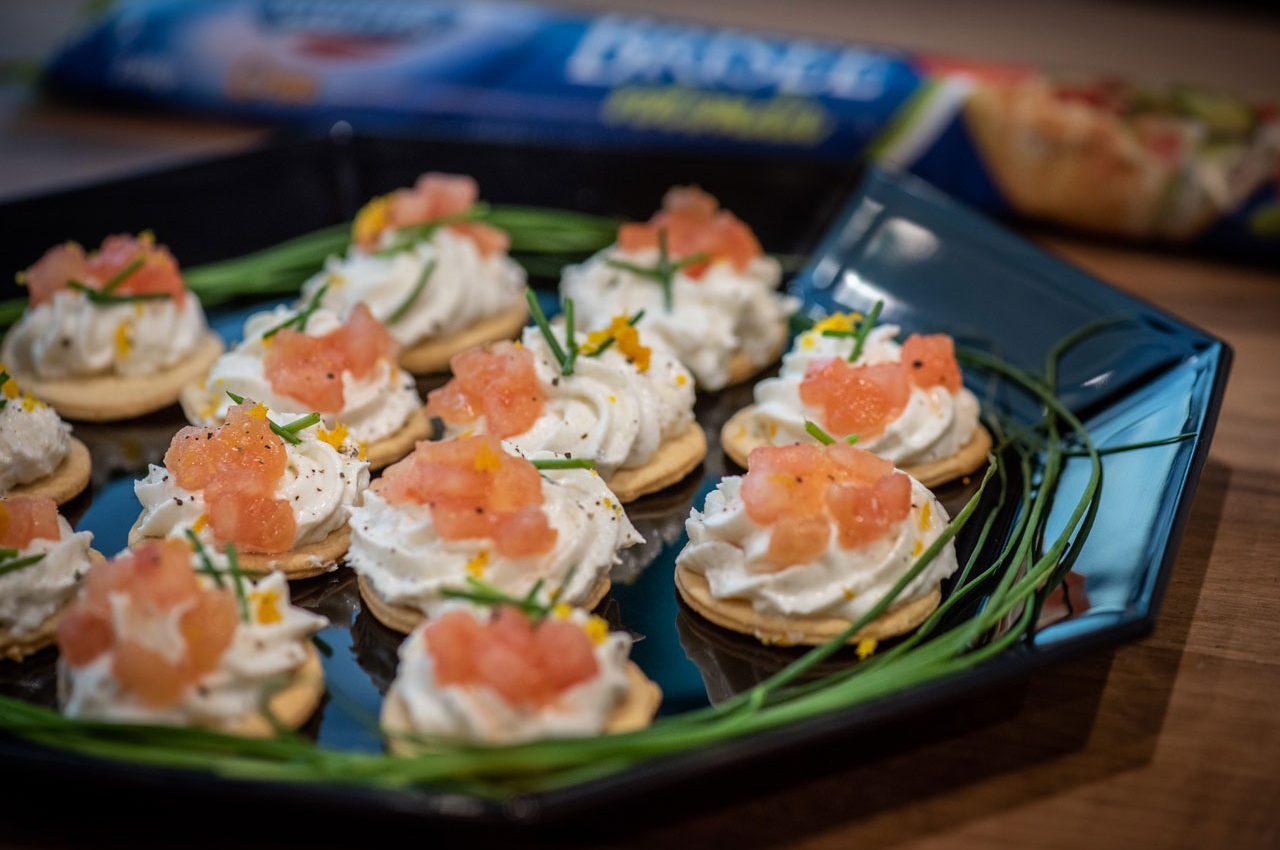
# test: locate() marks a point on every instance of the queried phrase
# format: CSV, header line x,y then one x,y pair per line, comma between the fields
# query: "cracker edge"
x,y
671,463
113,398
17,649
432,355
292,705
67,480
736,614
296,563
635,711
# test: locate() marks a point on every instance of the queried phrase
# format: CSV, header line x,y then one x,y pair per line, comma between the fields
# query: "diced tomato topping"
x,y
799,491
237,466
61,264
528,664
498,382
310,368
152,585
433,197
855,399
931,361
27,518
475,490
694,224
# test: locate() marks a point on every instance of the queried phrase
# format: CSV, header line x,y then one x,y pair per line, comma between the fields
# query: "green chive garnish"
x,y
237,578
20,564
302,422
403,308
206,565
407,237
571,343
864,328
664,271
815,430
299,319
4,379
540,319
120,276
565,463
104,299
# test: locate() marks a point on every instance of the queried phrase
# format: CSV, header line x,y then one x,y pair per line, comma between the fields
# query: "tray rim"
x,y
546,807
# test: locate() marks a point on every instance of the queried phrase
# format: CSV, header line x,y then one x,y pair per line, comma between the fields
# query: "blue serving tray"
x,y
937,266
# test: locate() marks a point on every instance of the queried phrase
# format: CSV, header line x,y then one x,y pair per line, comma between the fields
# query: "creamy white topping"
x,y
607,410
713,318
935,423
263,653
71,337
320,483
33,442
464,288
373,407
478,713
31,595
397,550
728,547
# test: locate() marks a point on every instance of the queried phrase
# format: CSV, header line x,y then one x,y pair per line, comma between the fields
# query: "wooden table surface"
x,y
1173,741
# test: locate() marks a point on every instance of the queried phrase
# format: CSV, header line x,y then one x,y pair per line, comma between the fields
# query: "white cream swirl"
x,y
71,337
478,713
464,288
320,483
32,595
397,550
264,651
373,407
607,410
33,442
728,548
935,423
713,318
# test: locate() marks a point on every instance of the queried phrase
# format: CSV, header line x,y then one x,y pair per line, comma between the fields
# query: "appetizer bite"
x,y
906,403
694,276
469,510
277,487
440,280
38,455
297,361
517,674
110,334
809,540
41,563
170,632
609,397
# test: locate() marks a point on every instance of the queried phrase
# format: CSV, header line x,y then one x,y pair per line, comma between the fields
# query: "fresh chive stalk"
x,y
564,463
403,308
864,328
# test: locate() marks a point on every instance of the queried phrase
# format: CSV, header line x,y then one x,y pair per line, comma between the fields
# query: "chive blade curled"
x,y
406,305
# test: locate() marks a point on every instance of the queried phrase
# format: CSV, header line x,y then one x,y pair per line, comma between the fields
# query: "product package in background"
x,y
1169,165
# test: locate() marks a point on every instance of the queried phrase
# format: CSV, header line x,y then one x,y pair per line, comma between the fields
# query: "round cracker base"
x,y
432,355
672,462
402,618
292,705
737,440
636,711
304,562
740,367
66,481
737,615
390,449
112,398
17,648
